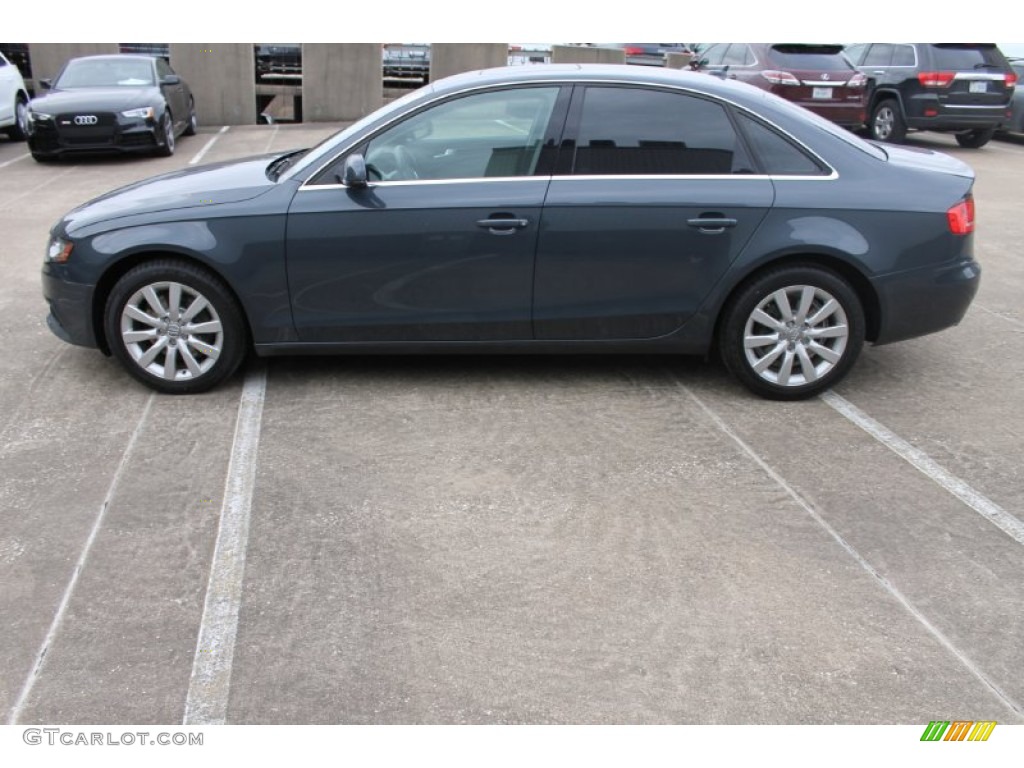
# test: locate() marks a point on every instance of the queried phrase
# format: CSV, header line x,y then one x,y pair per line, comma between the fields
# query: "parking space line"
x,y
999,517
206,148
49,180
1000,315
51,634
210,684
878,577
12,161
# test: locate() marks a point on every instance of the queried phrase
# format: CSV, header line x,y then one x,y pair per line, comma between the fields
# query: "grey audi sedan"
x,y
555,209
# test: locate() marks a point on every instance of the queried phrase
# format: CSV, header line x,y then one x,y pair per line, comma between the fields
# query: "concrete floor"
x,y
506,539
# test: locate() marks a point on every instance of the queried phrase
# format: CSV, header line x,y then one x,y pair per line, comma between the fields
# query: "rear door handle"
x,y
501,226
712,225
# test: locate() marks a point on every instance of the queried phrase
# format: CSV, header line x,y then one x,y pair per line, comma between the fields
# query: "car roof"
x,y
116,57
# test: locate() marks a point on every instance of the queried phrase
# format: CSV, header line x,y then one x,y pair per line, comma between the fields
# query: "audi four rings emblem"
x,y
86,119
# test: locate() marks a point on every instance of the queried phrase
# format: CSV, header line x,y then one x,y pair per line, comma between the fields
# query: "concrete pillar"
x,y
678,60
222,77
454,58
579,54
341,81
48,58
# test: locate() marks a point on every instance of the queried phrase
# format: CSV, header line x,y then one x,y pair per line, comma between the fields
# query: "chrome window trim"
x,y
997,107
833,174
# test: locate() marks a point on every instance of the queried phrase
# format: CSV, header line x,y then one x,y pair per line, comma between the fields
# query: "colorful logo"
x,y
958,730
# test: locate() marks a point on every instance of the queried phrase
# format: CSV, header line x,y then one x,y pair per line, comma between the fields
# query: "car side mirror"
x,y
353,173
46,83
171,80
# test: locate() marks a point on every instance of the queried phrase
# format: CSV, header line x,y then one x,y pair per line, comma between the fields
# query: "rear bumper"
x,y
949,117
70,305
924,301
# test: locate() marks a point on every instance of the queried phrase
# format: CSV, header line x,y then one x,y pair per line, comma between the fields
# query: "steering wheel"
x,y
406,163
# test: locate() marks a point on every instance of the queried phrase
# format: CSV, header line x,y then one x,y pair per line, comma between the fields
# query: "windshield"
x,y
106,73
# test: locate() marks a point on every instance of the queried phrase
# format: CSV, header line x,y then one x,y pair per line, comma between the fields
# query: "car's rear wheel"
x,y
165,145
887,123
19,131
792,332
175,326
976,138
193,122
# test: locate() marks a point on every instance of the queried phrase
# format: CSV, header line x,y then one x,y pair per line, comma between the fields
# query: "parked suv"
x,y
964,88
818,77
13,101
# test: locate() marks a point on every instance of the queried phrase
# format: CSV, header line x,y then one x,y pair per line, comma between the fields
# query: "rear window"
x,y
960,56
823,57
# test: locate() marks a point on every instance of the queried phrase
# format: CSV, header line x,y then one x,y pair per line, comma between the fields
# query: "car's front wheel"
x,y
193,121
975,139
792,332
175,326
165,140
19,131
887,123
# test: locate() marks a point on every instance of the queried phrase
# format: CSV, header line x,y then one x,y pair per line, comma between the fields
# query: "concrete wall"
x,y
48,58
678,60
454,58
222,77
341,81
578,54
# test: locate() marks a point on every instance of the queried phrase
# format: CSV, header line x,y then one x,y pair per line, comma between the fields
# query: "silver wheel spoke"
x,y
206,349
134,337
152,352
824,352
171,362
770,358
190,361
829,307
787,368
154,300
753,342
806,299
213,326
762,317
174,299
137,314
830,332
782,302
810,374
194,309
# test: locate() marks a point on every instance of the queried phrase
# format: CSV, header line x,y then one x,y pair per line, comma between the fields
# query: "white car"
x,y
13,101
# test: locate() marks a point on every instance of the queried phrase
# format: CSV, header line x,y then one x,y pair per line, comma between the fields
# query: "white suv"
x,y
13,101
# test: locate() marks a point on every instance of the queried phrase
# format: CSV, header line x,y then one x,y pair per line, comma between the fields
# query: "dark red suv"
x,y
818,77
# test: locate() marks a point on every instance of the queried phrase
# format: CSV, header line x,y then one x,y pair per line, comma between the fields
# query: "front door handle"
x,y
712,225
502,226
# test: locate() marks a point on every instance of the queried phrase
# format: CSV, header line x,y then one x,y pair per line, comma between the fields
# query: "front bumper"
x,y
70,304
924,301
52,138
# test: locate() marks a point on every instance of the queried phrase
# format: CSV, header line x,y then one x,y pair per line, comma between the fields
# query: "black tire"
x,y
19,131
975,139
39,158
887,122
165,140
195,336
828,353
193,123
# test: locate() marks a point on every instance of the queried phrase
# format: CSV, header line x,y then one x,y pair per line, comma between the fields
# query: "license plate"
x,y
821,93
979,86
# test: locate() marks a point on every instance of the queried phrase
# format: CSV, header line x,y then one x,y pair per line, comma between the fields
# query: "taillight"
x,y
1011,79
779,78
936,79
631,51
961,217
857,81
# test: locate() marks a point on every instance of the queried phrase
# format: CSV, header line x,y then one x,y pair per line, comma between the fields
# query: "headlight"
x,y
33,116
58,251
146,112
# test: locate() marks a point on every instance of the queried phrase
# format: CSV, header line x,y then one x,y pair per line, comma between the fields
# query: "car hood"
x,y
94,100
927,160
205,186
